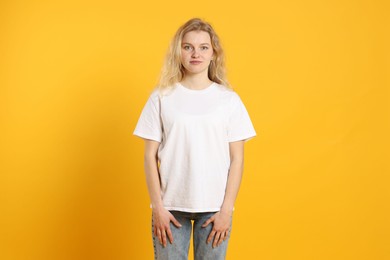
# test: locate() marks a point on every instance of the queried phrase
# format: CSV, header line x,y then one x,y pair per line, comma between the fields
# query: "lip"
x,y
195,61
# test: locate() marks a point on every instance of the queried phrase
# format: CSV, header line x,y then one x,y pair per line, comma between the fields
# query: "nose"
x,y
195,53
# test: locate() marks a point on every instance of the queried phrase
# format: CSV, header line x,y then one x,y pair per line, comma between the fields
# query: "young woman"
x,y
194,126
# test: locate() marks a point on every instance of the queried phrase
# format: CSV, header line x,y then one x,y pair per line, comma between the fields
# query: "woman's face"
x,y
196,52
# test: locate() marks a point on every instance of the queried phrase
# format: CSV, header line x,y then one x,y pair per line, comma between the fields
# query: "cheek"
x,y
211,54
184,56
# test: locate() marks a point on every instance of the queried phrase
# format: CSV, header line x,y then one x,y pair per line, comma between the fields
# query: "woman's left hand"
x,y
222,222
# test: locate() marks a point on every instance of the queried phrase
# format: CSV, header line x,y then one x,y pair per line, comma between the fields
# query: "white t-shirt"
x,y
194,128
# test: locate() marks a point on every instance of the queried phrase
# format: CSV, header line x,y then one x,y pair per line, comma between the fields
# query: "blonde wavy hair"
x,y
173,71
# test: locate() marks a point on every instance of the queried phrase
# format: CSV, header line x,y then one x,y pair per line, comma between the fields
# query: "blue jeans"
x,y
181,239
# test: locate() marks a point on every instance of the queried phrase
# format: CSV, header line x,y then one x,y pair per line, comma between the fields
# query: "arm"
x,y
235,176
222,219
161,216
151,172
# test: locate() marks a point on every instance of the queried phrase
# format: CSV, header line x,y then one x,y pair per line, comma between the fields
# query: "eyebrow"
x,y
199,44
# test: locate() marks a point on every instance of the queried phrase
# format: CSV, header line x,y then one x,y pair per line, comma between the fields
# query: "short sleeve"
x,y
149,124
240,126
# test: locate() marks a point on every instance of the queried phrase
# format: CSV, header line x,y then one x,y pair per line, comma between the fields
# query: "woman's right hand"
x,y
161,219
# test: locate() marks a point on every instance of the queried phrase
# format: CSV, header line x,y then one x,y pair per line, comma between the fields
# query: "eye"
x,y
187,47
204,48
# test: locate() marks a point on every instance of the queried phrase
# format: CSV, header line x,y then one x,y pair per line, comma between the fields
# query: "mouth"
x,y
195,62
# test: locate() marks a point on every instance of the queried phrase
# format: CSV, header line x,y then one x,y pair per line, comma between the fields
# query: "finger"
x,y
207,222
159,236
226,235
216,238
221,238
210,237
170,236
175,222
164,238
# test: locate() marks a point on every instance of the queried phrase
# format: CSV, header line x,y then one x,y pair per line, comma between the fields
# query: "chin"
x,y
197,71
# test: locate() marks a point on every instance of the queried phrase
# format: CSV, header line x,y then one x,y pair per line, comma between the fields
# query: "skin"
x,y
196,46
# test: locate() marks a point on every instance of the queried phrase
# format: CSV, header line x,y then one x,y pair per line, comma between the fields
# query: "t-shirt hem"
x,y
193,210
147,137
242,138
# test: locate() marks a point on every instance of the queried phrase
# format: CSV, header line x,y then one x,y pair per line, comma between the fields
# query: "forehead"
x,y
196,37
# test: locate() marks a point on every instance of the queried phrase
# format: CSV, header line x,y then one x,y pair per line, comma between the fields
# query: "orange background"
x,y
314,76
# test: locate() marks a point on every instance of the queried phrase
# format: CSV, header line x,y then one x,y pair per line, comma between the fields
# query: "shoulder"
x,y
159,93
153,96
229,94
225,90
162,92
153,99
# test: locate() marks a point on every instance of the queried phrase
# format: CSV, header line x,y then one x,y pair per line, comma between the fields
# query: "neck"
x,y
196,81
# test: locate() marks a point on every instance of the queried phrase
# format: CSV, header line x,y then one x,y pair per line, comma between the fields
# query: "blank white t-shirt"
x,y
194,128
